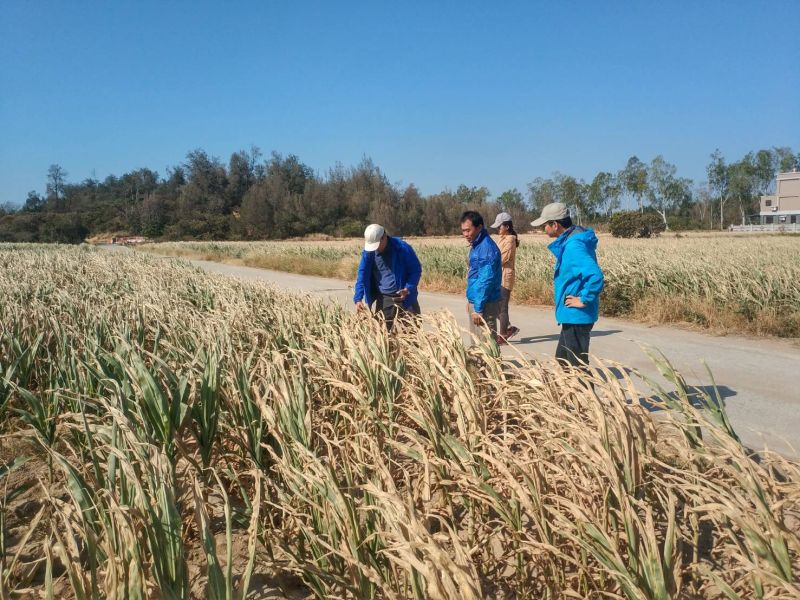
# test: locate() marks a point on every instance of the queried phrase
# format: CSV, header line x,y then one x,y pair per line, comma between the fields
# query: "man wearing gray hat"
x,y
577,282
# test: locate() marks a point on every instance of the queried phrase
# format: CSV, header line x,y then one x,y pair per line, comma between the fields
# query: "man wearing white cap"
x,y
577,282
388,275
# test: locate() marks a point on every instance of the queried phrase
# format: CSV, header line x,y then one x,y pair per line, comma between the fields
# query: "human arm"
x,y
482,285
413,272
592,279
362,280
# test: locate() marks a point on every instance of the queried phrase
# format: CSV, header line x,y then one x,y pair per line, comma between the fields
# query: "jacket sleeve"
x,y
361,279
481,287
591,275
413,269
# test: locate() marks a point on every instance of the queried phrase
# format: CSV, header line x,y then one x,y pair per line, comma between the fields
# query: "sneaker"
x,y
511,332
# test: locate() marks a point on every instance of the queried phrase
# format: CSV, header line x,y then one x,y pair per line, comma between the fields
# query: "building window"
x,y
783,218
769,220
768,202
793,219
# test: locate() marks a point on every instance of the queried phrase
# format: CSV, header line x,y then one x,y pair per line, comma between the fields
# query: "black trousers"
x,y
392,309
573,344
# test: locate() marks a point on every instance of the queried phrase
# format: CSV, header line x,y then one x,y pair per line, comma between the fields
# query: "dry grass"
x,y
720,283
196,436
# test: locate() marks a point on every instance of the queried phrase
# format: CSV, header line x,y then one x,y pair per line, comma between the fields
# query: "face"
x,y
551,229
469,231
384,241
503,229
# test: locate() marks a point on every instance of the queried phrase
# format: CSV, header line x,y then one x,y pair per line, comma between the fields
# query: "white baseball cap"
x,y
372,237
552,212
501,218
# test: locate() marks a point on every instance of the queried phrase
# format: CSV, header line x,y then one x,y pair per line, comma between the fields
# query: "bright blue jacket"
x,y
576,274
405,266
485,272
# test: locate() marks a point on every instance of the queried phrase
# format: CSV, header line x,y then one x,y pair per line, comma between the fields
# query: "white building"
x,y
783,208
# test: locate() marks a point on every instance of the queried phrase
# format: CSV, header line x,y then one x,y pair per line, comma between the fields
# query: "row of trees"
x,y
731,193
253,197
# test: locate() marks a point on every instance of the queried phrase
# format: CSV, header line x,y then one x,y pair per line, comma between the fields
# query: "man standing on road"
x,y
388,275
484,275
577,282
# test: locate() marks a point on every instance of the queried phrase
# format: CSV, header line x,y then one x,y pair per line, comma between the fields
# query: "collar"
x,y
480,237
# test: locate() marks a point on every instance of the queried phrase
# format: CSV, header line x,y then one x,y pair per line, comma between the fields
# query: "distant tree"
x,y
411,212
474,197
34,202
742,180
718,176
206,184
56,181
634,180
666,192
703,205
574,193
294,175
786,160
153,215
241,174
542,192
62,229
604,193
765,164
511,200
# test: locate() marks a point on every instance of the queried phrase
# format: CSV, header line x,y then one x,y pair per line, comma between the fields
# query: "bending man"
x,y
388,276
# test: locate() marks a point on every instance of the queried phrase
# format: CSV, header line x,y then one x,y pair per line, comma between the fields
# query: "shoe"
x,y
511,332
501,341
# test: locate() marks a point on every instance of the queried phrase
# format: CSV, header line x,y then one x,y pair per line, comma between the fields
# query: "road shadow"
x,y
536,339
699,395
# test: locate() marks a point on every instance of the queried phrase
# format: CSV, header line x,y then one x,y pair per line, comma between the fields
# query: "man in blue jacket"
x,y
388,275
484,275
577,282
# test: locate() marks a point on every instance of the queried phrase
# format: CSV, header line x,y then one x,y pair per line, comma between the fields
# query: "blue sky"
x,y
436,93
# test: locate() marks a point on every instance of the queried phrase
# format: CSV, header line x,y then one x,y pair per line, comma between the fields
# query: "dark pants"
x,y
392,308
490,312
573,344
504,323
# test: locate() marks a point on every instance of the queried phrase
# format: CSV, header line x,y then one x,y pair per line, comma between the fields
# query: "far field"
x,y
722,283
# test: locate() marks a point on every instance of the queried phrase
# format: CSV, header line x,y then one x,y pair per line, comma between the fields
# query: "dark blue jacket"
x,y
576,274
405,266
485,272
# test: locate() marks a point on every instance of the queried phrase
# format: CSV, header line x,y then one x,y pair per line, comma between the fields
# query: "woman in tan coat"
x,y
508,243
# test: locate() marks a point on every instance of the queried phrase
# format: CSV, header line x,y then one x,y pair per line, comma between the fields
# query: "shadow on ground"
x,y
700,396
536,339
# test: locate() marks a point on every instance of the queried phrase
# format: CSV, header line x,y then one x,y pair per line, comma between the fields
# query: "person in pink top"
x,y
508,243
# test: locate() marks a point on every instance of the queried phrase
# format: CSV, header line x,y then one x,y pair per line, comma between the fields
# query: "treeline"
x,y
251,197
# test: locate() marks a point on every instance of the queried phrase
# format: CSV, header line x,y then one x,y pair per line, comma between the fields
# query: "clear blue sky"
x,y
436,93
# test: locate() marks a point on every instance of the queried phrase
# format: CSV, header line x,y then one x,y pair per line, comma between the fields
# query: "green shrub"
x,y
628,224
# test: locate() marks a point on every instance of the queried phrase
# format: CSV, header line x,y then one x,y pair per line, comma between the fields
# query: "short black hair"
x,y
566,222
473,217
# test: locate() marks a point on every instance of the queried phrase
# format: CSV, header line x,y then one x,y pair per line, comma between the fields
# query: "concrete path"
x,y
759,379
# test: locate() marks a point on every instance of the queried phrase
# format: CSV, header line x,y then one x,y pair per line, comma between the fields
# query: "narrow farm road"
x,y
759,379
